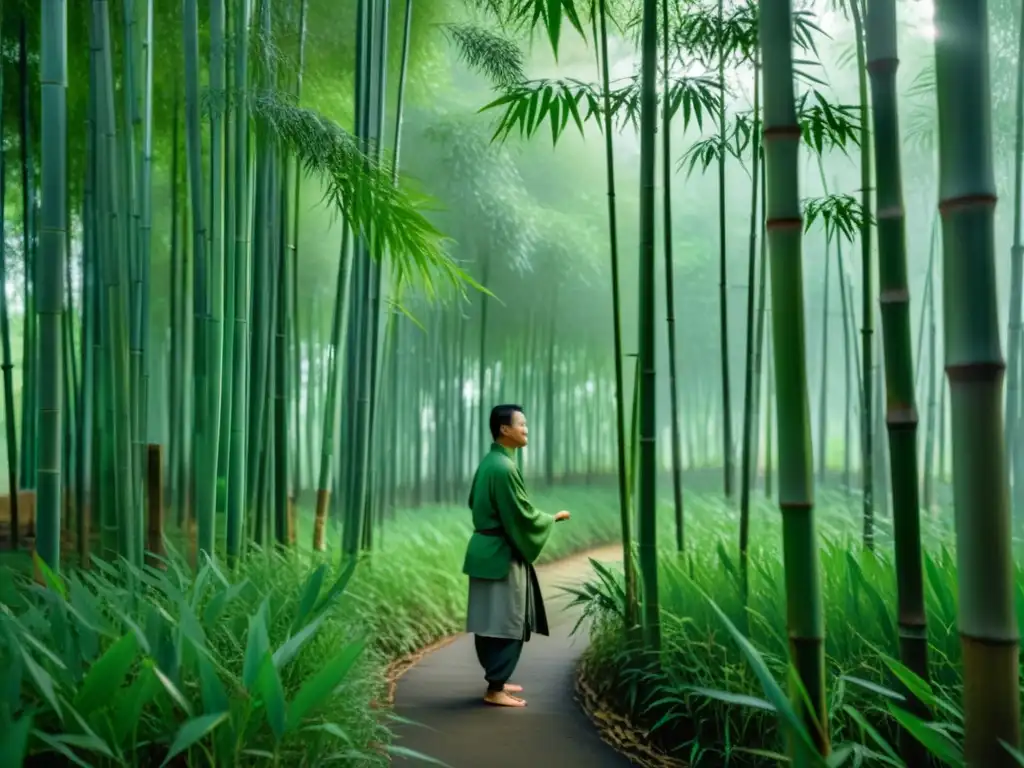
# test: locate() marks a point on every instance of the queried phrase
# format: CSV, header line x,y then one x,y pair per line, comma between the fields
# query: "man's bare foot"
x,y
503,699
513,688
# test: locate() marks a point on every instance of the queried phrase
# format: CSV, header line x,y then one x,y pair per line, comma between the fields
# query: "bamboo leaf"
x,y
493,54
106,675
172,691
53,581
310,592
269,686
14,740
256,647
291,647
192,732
937,743
214,695
771,688
43,682
60,747
318,688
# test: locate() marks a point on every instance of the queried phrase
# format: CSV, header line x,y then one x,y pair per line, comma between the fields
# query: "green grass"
x,y
708,707
238,653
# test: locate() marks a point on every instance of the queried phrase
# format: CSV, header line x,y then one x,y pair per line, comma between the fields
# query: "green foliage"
x,y
839,214
119,663
698,33
531,15
277,661
529,105
362,188
718,701
824,125
489,52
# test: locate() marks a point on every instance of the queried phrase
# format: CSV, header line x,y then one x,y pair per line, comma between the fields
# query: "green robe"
x,y
504,593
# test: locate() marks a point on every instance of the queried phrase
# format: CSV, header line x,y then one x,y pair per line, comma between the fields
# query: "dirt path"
x,y
442,693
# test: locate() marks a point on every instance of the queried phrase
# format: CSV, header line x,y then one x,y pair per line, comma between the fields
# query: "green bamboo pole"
x,y
867,281
749,414
201,458
985,568
146,230
823,396
176,440
1014,453
101,430
29,246
262,297
6,363
805,622
70,404
361,331
130,200
670,299
378,278
216,323
242,254
849,351
50,283
84,490
928,491
281,386
622,467
332,409
299,465
759,333
647,531
900,397
118,394
769,423
880,456
728,464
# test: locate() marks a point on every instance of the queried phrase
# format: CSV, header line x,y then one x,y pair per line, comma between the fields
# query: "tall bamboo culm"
x,y
50,279
900,398
974,366
784,225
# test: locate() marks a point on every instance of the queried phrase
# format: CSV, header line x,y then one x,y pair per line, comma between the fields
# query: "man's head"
x,y
508,426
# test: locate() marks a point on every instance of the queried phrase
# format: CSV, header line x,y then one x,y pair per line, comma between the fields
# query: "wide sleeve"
x,y
527,527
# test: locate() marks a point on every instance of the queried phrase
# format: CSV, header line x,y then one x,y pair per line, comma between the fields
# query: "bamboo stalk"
x,y
974,365
805,620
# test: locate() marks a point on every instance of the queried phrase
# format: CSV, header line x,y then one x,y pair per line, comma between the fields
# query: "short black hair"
x,y
501,416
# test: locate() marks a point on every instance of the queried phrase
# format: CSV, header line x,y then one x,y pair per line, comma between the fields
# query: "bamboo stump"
x,y
155,506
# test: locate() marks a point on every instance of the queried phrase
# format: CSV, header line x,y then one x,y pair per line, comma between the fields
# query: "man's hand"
x,y
563,515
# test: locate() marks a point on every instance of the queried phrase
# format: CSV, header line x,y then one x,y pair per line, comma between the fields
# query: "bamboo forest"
x,y
751,270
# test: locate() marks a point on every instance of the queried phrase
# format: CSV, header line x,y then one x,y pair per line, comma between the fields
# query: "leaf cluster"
x,y
527,106
487,51
699,34
359,186
823,126
130,665
839,214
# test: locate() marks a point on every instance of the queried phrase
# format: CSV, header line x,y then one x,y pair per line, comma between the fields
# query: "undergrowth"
x,y
278,662
709,704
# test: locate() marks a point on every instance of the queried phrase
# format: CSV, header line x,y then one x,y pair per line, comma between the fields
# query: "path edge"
x,y
616,729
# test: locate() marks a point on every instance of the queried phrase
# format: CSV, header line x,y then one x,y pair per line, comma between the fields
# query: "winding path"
x,y
442,695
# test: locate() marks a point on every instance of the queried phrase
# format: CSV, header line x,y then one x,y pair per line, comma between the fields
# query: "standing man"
x,y
505,603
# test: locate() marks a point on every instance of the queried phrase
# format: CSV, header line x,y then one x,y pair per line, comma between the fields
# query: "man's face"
x,y
516,432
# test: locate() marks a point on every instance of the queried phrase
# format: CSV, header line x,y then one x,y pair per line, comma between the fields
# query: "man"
x,y
505,604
